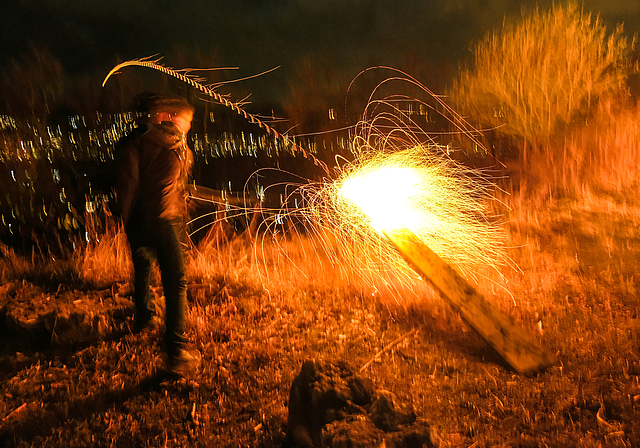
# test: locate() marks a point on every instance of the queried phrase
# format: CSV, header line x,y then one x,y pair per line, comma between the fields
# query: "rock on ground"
x,y
331,406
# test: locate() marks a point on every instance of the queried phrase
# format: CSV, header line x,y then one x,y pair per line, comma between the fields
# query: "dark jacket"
x,y
152,167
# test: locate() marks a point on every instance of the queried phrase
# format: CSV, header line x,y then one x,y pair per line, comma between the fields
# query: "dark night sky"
x,y
256,35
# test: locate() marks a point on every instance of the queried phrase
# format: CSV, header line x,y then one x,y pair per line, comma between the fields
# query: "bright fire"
x,y
421,189
396,187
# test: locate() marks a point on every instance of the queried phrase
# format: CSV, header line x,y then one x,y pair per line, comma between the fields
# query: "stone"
x,y
330,406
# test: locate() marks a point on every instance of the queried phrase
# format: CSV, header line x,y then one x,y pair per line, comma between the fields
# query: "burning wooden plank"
x,y
512,343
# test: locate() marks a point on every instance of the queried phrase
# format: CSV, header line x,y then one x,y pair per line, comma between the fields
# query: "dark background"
x,y
427,38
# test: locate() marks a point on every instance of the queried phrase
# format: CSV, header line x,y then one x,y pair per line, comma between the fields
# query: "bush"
x,y
533,79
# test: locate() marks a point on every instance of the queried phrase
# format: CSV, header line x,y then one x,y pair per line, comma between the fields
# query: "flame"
x,y
421,189
395,186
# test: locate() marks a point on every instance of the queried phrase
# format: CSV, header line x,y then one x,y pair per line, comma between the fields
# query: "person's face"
x,y
182,120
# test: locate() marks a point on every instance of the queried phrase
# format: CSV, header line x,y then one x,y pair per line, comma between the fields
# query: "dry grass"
x,y
259,308
599,158
106,257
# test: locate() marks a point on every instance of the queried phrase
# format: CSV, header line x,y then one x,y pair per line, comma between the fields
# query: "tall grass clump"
x,y
601,156
105,255
532,80
12,265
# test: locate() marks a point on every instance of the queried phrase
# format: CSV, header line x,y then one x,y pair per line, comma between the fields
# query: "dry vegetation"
x,y
537,78
576,293
258,311
73,374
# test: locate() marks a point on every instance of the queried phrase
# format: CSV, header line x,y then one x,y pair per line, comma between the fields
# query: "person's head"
x,y
158,108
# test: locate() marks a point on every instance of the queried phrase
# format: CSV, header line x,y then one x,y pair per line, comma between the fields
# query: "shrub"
x,y
533,79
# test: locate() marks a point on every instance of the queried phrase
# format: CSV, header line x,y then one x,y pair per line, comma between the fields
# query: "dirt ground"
x,y
74,374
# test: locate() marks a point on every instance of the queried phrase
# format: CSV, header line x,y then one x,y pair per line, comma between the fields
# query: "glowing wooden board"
x,y
512,343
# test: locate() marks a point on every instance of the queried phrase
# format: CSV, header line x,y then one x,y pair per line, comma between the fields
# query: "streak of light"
x,y
444,203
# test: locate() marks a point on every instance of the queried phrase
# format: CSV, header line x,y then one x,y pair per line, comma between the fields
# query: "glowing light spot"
x,y
445,204
386,195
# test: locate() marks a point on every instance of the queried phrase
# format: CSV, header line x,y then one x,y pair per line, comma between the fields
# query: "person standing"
x,y
152,165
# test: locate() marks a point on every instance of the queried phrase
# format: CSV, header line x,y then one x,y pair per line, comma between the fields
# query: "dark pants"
x,y
158,239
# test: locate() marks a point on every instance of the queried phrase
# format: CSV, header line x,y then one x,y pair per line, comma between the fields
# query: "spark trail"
x,y
187,77
398,178
418,188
